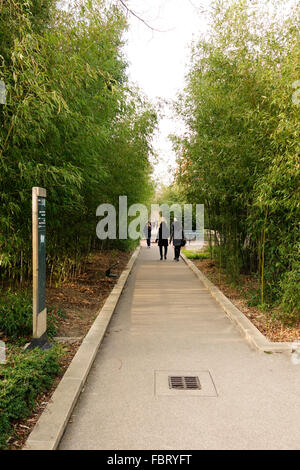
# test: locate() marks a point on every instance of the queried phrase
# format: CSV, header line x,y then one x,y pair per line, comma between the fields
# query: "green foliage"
x,y
72,124
172,194
25,375
240,155
290,288
195,255
16,315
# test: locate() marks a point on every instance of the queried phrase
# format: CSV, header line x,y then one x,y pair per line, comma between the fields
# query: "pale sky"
x,y
158,60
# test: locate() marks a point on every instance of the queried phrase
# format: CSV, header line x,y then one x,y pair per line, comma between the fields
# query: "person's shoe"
x,y
160,259
165,257
177,259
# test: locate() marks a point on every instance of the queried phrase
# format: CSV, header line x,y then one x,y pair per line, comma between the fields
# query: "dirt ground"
x,y
76,304
80,299
273,329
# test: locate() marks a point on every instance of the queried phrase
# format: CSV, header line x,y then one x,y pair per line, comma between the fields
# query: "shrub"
x,y
25,375
16,315
290,301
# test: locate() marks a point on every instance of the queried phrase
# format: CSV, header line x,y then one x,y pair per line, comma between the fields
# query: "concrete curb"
x,y
49,429
249,331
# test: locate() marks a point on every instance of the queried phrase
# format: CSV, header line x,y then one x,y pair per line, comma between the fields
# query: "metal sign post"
x,y
39,268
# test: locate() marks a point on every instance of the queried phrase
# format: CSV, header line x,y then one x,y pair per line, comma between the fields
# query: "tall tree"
x,y
240,155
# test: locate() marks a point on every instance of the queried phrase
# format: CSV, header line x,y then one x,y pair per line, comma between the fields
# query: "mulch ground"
x,y
78,301
265,322
80,298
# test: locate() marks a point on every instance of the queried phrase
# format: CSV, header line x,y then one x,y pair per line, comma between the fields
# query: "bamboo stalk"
x,y
263,260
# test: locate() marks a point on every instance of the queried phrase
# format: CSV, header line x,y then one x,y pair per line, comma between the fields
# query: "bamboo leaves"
x,y
241,153
72,124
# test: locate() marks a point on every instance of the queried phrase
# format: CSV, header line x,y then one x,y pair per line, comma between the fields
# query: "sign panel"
x,y
39,265
41,304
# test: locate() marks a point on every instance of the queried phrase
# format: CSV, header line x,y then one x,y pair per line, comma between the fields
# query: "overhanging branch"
x,y
129,10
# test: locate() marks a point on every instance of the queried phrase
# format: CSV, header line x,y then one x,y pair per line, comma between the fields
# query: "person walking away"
x,y
162,239
147,232
177,236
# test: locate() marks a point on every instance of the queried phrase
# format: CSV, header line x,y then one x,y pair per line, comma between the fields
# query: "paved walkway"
x,y
166,323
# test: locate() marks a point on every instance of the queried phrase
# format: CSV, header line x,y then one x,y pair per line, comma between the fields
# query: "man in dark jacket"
x,y
177,236
163,239
147,231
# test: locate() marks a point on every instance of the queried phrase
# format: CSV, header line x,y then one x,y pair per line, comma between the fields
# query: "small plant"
x,y
54,314
254,298
61,314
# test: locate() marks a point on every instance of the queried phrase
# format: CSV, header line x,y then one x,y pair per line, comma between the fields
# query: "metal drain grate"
x,y
180,382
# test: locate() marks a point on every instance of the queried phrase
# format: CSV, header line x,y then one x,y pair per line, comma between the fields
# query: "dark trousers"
x,y
177,251
148,241
161,251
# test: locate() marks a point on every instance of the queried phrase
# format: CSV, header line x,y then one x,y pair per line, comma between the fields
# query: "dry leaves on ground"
x,y
273,329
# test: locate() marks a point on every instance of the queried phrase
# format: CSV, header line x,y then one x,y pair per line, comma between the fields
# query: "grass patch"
x,y
196,254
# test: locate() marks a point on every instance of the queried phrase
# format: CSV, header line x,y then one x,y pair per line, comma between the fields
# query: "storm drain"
x,y
184,383
180,382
